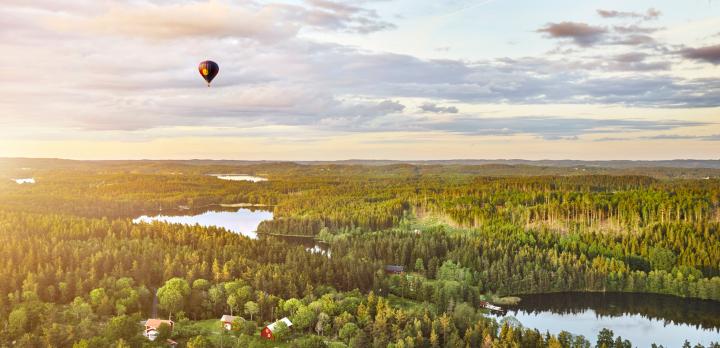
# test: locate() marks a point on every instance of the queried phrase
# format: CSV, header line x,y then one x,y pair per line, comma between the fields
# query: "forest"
x,y
77,272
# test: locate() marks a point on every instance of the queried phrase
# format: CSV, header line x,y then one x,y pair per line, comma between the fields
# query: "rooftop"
x,y
155,323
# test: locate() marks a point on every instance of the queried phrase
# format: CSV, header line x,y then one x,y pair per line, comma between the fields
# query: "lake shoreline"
x,y
610,293
640,317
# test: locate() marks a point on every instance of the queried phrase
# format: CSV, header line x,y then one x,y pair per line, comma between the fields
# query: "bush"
x,y
309,342
199,342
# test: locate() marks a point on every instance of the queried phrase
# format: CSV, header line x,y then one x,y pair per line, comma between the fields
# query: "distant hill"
x,y
676,163
687,169
679,163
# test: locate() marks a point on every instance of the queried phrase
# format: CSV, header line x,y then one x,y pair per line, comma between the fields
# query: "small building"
x,y
228,320
394,269
267,332
152,327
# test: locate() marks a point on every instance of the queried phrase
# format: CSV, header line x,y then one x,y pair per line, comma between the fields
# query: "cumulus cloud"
x,y
710,54
270,76
340,16
548,127
634,40
712,137
384,107
633,61
650,14
586,35
581,34
545,127
298,82
634,29
216,18
434,108
201,19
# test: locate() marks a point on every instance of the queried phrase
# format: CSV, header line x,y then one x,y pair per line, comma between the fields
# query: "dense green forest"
x,y
77,272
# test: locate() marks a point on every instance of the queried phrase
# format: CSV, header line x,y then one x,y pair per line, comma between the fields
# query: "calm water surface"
x,y
643,319
242,221
24,181
239,177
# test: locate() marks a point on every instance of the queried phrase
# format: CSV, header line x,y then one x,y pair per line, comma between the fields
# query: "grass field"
x,y
211,329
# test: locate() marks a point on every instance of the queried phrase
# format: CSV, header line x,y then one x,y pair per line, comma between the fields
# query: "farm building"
x,y
267,332
152,327
228,320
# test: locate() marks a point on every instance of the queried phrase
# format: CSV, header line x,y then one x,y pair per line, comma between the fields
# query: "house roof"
x,y
285,320
229,318
155,323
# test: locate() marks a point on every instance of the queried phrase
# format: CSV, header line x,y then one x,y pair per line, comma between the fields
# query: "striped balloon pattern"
x,y
208,69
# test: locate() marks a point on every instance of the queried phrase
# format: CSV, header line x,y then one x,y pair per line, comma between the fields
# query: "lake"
x,y
24,181
239,177
641,318
243,221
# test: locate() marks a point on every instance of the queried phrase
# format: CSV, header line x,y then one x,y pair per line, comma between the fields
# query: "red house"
x,y
267,332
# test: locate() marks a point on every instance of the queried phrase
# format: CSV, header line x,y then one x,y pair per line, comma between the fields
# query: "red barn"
x,y
267,332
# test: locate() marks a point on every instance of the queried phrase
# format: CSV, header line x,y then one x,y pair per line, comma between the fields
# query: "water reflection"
x,y
243,221
239,177
24,181
311,245
642,318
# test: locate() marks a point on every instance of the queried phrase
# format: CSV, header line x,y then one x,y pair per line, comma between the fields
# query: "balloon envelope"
x,y
208,69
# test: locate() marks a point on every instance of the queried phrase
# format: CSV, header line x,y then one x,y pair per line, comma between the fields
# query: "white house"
x,y
228,320
152,327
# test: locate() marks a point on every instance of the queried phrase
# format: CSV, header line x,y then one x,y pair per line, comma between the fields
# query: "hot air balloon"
x,y
208,69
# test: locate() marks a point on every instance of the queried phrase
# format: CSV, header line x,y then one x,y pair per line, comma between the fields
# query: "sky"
x,y
363,79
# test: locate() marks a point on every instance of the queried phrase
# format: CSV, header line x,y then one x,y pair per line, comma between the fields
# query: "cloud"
x,y
434,108
633,61
557,137
634,29
217,19
201,19
111,80
586,35
650,14
384,107
341,16
553,128
632,57
544,127
710,54
712,137
581,34
634,40
299,82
